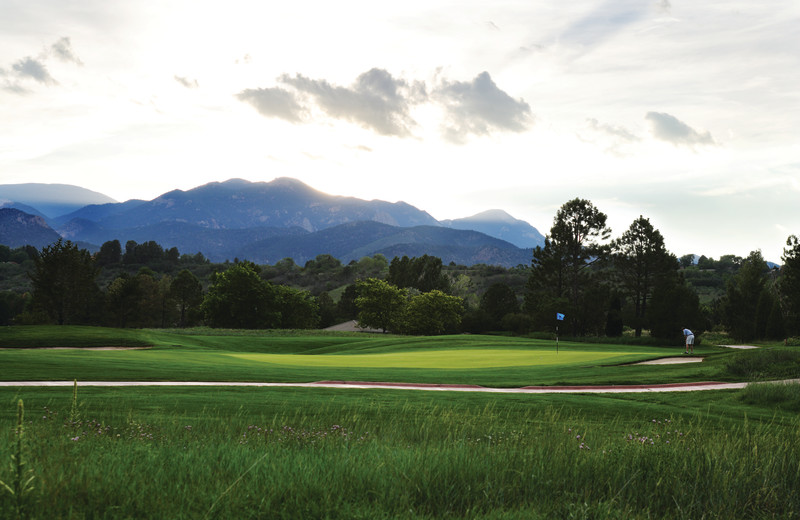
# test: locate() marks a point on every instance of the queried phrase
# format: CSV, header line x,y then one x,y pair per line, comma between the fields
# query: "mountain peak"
x,y
492,215
498,223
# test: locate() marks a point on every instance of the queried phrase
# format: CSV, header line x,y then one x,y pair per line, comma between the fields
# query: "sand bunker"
x,y
671,361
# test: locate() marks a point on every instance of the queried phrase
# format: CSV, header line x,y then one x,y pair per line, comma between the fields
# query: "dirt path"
x,y
598,389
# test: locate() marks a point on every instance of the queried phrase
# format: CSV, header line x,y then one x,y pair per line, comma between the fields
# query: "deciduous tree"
x,y
240,298
433,313
380,304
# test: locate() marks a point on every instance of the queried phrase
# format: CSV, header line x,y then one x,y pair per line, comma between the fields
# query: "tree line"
x,y
602,286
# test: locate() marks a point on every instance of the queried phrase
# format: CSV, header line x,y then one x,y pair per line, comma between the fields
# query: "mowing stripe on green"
x,y
444,359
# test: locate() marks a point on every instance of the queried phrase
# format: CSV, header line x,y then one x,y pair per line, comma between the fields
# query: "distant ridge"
x,y
268,221
499,224
52,200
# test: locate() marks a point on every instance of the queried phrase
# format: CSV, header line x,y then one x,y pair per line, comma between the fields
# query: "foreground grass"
x,y
304,357
303,453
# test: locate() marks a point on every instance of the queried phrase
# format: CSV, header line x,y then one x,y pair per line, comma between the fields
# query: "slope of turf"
x,y
208,355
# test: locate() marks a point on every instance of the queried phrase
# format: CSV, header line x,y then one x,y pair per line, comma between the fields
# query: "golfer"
x,y
689,340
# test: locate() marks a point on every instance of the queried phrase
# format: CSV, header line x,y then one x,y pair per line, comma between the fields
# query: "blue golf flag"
x,y
559,316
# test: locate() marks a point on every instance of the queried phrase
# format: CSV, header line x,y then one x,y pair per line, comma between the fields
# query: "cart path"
x,y
593,389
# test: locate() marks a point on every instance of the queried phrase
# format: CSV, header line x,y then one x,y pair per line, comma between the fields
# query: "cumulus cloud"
x,y
273,102
186,82
35,69
380,102
32,68
62,49
376,100
666,127
479,107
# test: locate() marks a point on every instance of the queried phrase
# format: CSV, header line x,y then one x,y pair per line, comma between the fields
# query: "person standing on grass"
x,y
689,340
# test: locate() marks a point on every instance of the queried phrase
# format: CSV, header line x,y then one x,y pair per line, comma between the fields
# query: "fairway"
x,y
439,359
303,356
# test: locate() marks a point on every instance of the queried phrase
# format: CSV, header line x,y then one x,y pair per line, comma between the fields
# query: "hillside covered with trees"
x,y
628,285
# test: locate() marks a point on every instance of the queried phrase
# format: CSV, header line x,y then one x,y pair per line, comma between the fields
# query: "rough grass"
x,y
785,396
279,453
765,363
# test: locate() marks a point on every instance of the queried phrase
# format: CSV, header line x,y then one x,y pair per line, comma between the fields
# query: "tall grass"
x,y
371,458
782,395
765,363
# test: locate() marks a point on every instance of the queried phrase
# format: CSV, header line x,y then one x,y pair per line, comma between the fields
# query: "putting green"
x,y
444,359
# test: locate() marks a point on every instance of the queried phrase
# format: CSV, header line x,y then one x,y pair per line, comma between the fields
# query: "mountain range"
x,y
263,222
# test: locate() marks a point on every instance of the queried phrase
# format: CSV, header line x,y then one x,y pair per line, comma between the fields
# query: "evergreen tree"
x,y
64,286
674,306
790,285
110,253
742,295
499,300
561,270
640,258
187,292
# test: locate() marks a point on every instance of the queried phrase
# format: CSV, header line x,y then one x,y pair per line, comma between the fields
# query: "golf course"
x,y
225,451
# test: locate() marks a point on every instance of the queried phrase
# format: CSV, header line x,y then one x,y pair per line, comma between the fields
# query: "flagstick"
x,y
556,338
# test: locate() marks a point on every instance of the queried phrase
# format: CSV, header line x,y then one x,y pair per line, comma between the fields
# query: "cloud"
x,y
32,68
35,69
666,127
62,49
380,102
376,100
186,82
612,138
605,21
274,102
479,107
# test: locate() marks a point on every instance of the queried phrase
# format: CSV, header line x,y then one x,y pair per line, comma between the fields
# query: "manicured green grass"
x,y
305,357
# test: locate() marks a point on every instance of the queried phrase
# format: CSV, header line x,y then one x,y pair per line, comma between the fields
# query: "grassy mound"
x,y
766,363
53,336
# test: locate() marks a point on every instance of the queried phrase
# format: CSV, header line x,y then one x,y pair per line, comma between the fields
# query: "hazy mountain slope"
x,y
284,202
497,223
52,200
18,229
97,212
355,240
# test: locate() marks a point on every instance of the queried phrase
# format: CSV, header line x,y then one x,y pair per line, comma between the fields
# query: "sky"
x,y
686,113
